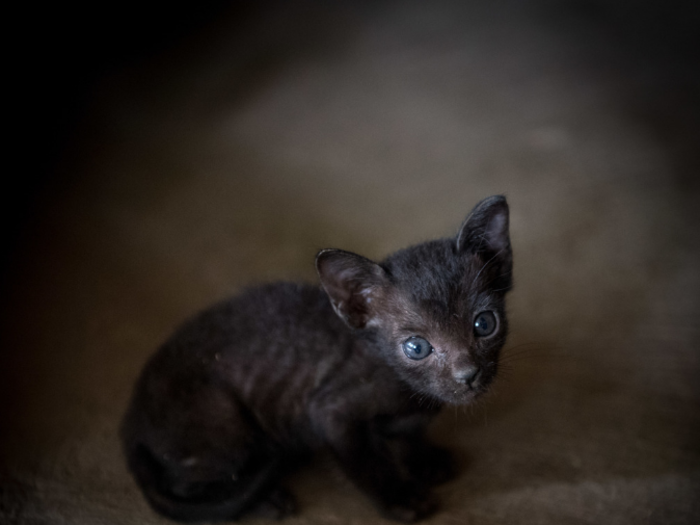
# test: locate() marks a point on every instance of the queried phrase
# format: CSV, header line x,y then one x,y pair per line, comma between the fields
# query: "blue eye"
x,y
417,348
484,324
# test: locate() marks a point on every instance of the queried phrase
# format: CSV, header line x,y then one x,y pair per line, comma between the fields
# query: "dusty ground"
x,y
235,155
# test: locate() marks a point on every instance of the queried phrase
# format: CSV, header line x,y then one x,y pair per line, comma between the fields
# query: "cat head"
x,y
438,308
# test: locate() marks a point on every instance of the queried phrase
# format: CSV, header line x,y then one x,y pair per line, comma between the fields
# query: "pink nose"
x,y
467,376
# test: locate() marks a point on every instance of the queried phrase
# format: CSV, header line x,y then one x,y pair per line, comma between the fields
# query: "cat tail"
x,y
219,502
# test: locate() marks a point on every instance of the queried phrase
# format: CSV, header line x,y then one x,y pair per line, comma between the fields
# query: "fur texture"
x,y
241,393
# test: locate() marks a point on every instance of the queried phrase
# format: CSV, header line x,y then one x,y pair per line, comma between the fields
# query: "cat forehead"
x,y
429,258
433,273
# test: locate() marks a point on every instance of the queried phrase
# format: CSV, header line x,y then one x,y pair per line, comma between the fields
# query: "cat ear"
x,y
485,233
486,228
352,282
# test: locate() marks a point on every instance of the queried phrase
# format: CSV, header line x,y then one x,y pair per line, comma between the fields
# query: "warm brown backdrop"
x,y
231,155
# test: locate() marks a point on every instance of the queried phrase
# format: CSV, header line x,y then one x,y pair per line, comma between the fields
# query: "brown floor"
x,y
235,157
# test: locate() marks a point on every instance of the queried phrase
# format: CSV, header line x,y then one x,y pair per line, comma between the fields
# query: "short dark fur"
x,y
242,392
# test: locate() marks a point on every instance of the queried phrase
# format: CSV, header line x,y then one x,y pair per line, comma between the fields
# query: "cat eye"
x,y
485,324
417,348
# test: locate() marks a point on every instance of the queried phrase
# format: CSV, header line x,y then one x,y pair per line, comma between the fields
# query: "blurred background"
x,y
163,156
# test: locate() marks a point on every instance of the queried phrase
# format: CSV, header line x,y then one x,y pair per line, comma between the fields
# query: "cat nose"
x,y
468,375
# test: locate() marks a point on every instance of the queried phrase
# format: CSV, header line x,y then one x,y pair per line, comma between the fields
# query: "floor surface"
x,y
232,157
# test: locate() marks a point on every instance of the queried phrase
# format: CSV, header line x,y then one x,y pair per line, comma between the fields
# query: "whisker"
x,y
501,275
530,350
484,266
520,351
510,348
520,355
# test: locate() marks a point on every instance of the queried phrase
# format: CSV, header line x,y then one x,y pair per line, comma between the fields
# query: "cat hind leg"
x,y
184,499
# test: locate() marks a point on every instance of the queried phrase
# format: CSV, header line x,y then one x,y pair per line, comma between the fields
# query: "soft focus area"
x,y
171,158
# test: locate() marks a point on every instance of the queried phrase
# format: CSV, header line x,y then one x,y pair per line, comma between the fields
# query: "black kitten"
x,y
243,391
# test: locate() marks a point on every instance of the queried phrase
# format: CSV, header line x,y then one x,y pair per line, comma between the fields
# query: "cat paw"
x,y
276,505
413,509
433,466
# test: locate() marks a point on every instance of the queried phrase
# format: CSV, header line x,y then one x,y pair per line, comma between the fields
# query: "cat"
x,y
241,393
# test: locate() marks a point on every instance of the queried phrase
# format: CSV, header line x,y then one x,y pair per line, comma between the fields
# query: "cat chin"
x,y
460,397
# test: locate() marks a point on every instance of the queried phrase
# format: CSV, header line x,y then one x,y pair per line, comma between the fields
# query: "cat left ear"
x,y
486,228
352,282
485,234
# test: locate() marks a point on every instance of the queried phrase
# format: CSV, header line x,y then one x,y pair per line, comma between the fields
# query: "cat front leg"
x,y
427,464
276,504
367,459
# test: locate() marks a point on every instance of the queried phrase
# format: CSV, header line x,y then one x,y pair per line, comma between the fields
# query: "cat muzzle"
x,y
468,376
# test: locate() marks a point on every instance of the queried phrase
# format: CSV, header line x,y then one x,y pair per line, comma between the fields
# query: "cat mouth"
x,y
463,395
468,385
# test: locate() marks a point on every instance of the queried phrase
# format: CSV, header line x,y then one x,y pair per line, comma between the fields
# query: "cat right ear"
x,y
352,282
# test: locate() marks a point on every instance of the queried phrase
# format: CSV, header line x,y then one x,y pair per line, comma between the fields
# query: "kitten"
x,y
241,393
